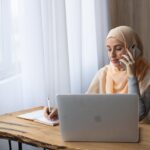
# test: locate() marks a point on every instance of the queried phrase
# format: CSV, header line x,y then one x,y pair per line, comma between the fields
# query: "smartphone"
x,y
135,51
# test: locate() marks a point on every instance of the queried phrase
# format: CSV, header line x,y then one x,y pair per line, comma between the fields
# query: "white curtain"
x,y
74,34
49,47
60,45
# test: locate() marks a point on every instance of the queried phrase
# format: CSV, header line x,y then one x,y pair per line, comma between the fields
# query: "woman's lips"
x,y
114,61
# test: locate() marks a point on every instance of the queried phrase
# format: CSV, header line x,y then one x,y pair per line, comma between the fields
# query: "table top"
x,y
41,135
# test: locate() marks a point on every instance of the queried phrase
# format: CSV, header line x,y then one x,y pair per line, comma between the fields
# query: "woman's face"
x,y
115,51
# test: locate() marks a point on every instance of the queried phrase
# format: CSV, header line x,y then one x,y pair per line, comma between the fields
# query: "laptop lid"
x,y
108,118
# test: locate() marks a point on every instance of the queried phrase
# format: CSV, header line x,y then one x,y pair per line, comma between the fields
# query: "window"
x,y
8,58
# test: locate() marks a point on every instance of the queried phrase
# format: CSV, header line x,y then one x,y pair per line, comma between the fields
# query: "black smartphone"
x,y
135,51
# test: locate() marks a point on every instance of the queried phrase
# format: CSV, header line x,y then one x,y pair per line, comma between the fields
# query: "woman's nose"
x,y
113,53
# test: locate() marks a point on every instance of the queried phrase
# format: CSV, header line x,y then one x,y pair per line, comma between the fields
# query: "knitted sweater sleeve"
x,y
133,88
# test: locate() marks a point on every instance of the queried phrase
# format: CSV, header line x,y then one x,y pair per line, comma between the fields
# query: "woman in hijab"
x,y
127,73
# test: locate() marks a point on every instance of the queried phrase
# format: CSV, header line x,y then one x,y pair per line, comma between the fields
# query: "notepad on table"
x,y
38,116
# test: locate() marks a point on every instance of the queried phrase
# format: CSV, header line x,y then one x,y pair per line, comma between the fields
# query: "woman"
x,y
128,72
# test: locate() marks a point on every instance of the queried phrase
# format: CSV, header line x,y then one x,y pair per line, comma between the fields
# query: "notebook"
x,y
105,118
38,116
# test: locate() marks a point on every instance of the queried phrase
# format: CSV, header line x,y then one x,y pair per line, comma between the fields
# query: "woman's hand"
x,y
52,114
129,62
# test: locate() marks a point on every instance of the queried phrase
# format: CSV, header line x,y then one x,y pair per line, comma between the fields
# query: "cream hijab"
x,y
109,79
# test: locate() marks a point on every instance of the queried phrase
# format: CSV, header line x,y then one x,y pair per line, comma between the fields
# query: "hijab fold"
x,y
111,80
127,35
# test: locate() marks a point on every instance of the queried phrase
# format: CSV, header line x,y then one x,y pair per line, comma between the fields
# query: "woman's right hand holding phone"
x,y
129,62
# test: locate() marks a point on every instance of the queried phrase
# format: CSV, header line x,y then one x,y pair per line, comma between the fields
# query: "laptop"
x,y
105,118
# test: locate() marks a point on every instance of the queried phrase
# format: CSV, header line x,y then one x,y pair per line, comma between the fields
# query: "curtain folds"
x,y
75,46
60,45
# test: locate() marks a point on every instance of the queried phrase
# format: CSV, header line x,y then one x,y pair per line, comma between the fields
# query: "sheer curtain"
x,y
8,62
49,47
59,45
74,34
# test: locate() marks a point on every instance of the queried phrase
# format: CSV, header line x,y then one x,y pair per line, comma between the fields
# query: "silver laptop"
x,y
105,118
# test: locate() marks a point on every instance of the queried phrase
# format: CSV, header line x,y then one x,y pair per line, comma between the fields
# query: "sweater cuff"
x,y
133,87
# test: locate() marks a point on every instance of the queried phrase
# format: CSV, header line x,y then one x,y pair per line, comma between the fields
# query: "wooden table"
x,y
40,135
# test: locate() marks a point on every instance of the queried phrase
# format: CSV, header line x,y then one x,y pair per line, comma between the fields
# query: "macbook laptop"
x,y
105,118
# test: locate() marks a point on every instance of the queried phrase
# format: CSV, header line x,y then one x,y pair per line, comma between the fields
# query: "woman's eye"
x,y
118,48
109,49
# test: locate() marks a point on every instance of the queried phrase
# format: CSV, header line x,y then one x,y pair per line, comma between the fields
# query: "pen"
x,y
49,104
